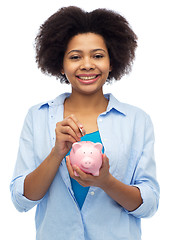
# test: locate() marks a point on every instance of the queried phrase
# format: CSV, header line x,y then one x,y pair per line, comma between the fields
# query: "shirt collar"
x,y
55,102
113,103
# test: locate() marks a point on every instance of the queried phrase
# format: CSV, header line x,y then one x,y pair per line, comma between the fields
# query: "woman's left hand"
x,y
87,180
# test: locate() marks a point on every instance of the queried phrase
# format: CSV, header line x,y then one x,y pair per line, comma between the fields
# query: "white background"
x,y
23,85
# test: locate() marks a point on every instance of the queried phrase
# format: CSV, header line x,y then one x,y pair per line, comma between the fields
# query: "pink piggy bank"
x,y
87,156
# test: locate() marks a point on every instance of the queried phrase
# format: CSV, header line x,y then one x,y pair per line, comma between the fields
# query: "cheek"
x,y
67,71
105,67
70,73
69,66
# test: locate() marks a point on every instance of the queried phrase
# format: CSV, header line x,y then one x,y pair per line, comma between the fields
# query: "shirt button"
x,y
100,120
92,193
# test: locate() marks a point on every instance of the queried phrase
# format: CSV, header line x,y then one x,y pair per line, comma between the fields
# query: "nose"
x,y
87,64
87,162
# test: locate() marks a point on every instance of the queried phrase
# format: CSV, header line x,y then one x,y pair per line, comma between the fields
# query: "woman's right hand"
x,y
38,181
67,132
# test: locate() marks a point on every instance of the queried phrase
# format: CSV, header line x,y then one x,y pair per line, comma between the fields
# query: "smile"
x,y
87,79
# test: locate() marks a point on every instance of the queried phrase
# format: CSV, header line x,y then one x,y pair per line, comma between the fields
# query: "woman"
x,y
86,50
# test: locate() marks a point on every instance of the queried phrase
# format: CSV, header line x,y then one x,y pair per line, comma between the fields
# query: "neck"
x,y
89,102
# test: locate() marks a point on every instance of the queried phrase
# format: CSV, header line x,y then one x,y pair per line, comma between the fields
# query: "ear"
x,y
62,71
111,68
98,146
76,146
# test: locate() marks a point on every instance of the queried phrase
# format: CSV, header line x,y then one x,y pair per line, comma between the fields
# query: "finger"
x,y
64,137
84,176
68,130
105,161
71,128
80,129
77,126
69,167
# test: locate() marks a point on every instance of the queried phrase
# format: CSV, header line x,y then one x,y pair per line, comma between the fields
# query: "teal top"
x,y
80,192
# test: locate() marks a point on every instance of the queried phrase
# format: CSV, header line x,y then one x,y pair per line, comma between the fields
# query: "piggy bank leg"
x,y
75,173
96,173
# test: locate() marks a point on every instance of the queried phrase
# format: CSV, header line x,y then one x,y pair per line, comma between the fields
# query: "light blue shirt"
x,y
127,135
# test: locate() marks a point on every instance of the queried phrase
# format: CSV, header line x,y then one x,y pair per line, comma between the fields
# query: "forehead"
x,y
86,41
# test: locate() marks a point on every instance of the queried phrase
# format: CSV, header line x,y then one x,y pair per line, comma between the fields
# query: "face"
x,y
86,63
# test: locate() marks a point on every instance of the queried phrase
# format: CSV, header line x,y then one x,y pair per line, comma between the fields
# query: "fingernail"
x,y
84,132
79,135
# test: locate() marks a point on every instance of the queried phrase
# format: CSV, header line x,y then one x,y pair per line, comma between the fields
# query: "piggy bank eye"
x,y
84,152
90,152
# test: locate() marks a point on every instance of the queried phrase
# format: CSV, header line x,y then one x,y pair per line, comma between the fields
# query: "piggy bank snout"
x,y
87,162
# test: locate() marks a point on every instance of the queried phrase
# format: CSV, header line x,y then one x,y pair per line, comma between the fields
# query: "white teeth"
x,y
87,78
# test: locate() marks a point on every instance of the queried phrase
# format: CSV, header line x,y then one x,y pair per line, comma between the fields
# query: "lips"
x,y
88,78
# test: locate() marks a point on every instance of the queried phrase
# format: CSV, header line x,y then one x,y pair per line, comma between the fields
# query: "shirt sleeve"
x,y
145,176
25,164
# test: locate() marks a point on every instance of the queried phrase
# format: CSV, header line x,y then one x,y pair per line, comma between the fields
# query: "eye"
x,y
90,152
84,152
75,57
97,56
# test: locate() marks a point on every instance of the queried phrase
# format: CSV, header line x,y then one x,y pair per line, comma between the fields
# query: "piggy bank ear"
x,y
76,146
98,146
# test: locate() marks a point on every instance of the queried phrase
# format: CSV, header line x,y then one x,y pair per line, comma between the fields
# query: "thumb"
x,y
105,160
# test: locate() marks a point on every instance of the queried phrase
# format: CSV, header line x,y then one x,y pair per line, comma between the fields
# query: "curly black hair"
x,y
54,35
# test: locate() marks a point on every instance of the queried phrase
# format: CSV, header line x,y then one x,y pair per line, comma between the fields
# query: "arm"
x,y
142,195
38,181
128,197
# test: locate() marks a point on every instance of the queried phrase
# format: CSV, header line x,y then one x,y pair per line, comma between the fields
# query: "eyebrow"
x,y
94,50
